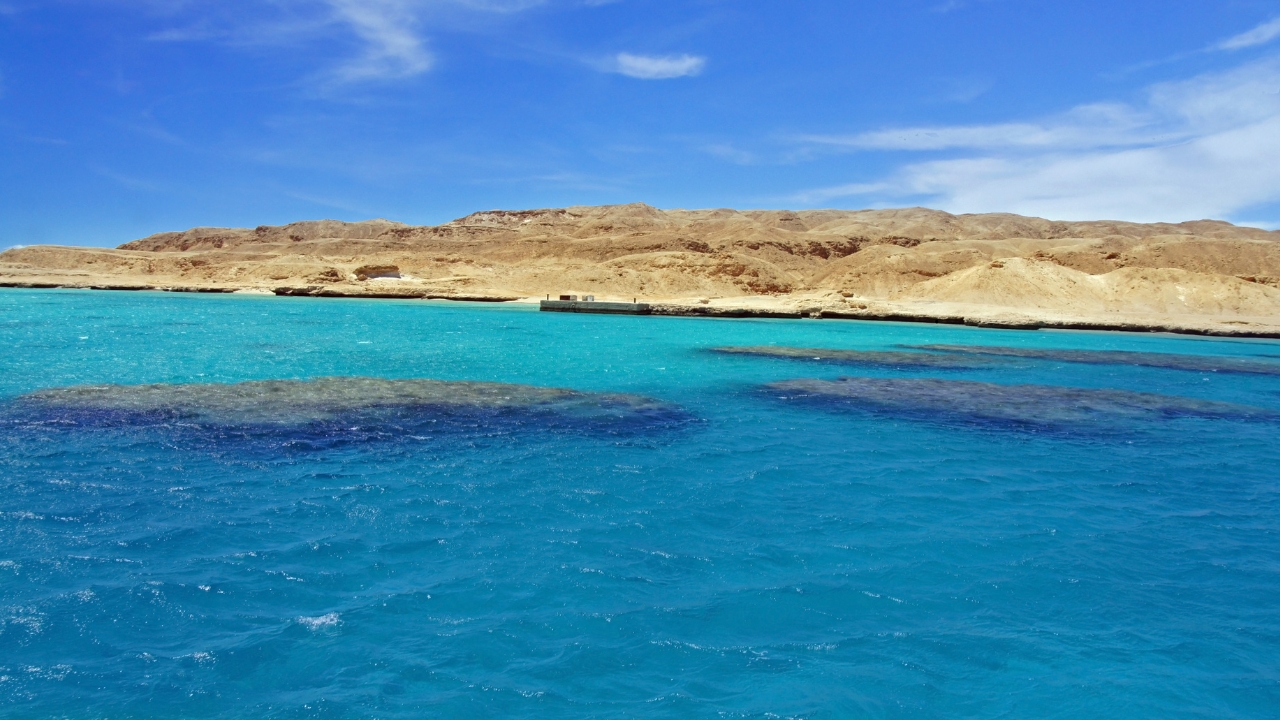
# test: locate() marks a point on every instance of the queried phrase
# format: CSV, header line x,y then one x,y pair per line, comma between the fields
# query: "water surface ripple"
x,y
664,539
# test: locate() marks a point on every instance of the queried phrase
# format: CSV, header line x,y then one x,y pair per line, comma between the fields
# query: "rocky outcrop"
x,y
372,272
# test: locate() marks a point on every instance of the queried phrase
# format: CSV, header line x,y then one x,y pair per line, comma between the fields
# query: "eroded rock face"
x,y
326,275
1006,406
895,360
370,272
338,406
1168,361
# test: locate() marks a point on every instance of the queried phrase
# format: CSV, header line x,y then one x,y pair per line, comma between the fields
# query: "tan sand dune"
x,y
913,263
1039,284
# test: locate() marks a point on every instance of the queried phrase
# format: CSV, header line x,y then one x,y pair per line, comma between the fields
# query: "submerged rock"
x,y
1171,361
333,404
865,358
1014,405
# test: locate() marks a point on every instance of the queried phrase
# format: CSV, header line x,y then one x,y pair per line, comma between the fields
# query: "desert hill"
x,y
903,262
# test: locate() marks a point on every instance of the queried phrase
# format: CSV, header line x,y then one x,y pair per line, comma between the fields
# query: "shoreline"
x,y
788,308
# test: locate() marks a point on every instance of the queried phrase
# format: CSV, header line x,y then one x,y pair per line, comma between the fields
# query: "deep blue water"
x,y
743,555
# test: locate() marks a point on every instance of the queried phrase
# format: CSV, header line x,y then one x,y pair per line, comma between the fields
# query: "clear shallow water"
x,y
765,558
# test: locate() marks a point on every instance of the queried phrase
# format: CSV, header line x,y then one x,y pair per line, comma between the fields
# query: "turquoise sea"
x,y
682,537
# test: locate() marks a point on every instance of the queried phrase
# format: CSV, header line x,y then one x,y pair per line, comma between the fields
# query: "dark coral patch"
x,y
887,359
1170,361
326,411
1028,406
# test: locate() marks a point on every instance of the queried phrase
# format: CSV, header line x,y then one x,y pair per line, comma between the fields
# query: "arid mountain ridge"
x,y
905,262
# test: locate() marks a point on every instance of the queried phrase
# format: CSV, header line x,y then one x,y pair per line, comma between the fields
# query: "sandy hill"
x,y
923,261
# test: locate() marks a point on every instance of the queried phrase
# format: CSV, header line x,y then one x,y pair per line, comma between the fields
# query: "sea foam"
x,y
319,622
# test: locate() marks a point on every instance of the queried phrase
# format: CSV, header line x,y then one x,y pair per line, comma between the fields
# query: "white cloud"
x,y
499,5
389,33
392,48
818,196
650,67
195,33
1086,126
1204,147
1261,35
1211,176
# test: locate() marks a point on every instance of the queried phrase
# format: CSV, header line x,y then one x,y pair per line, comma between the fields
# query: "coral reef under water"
x,y
1170,361
890,359
338,405
1013,405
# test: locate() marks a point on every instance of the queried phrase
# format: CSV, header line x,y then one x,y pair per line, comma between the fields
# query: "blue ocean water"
x,y
752,557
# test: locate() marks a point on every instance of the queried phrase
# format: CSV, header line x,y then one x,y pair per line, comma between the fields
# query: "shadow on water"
x,y
1034,408
326,413
1169,361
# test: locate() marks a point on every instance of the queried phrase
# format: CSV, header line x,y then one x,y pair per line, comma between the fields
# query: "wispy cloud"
x,y
387,34
1261,35
508,5
818,196
1204,147
189,31
1098,125
726,151
655,67
392,46
390,35
964,90
328,202
128,181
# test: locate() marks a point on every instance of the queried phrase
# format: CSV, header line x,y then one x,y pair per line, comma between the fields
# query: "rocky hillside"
x,y
911,255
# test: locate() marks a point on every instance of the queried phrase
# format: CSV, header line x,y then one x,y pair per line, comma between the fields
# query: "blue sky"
x,y
120,118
